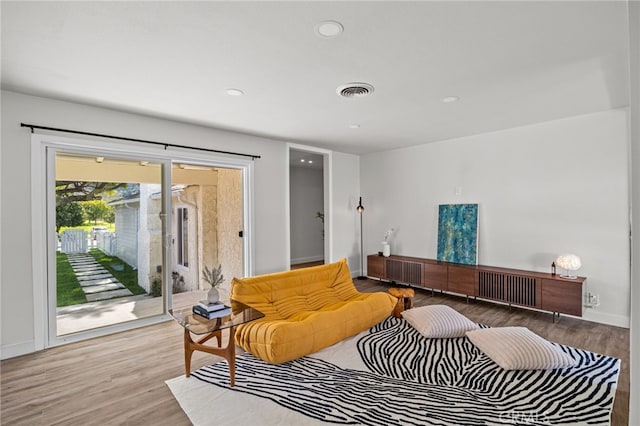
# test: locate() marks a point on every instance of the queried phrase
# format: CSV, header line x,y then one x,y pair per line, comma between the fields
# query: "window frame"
x,y
182,237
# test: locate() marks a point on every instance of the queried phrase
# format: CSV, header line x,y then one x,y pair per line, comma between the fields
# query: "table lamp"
x,y
569,262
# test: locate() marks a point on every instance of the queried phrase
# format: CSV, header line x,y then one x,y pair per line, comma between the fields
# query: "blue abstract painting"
x,y
458,233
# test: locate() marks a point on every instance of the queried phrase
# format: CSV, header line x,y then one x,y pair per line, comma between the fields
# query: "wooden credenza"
x,y
536,290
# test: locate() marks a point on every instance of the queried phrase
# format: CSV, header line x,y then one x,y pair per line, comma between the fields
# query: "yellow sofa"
x,y
305,310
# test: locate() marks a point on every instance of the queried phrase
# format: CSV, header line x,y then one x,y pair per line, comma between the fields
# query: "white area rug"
x,y
208,405
392,375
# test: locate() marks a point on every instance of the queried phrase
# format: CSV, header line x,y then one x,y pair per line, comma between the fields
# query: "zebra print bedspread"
x,y
417,381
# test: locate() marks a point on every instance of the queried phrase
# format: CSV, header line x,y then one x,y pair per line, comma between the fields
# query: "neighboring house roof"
x,y
134,198
174,189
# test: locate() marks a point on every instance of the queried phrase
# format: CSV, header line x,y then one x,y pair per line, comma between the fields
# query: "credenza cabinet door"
x,y
563,296
435,276
403,272
393,269
412,273
462,280
375,266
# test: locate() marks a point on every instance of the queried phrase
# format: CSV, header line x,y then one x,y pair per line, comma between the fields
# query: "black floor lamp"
x,y
360,210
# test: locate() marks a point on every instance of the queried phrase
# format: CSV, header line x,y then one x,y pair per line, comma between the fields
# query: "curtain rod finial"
x,y
26,125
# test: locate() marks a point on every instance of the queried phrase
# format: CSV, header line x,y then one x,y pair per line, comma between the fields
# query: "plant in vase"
x,y
386,248
214,277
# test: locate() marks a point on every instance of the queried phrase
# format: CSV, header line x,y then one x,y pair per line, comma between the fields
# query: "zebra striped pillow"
x,y
518,348
438,321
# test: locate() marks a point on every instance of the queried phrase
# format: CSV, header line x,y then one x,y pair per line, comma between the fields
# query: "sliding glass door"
x,y
207,228
108,241
122,233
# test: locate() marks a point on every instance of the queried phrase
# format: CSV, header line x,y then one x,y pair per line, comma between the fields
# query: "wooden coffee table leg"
x,y
228,353
231,358
188,351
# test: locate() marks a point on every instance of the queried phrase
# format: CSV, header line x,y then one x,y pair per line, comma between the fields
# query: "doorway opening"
x,y
307,211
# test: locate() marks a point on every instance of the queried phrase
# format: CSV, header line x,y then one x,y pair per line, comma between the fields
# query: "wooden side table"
x,y
404,296
193,324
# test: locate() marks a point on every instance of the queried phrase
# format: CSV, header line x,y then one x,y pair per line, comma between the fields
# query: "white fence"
x,y
73,241
106,241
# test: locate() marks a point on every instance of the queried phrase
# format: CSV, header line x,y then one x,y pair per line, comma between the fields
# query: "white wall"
x,y
16,277
542,190
306,198
345,223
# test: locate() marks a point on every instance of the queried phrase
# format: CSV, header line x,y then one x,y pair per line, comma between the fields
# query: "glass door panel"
x,y
109,242
206,228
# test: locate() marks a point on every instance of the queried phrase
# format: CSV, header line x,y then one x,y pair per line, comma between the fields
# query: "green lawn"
x,y
128,276
68,291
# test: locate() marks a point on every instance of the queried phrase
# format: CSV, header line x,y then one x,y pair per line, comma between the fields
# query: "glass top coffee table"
x,y
208,329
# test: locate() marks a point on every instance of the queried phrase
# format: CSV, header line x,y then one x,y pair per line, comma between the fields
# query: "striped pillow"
x,y
518,348
438,321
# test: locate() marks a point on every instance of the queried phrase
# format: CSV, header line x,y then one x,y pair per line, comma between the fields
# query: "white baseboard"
x,y
307,259
609,319
17,349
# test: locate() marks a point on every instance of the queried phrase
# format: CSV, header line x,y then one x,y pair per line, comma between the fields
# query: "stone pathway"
x,y
96,282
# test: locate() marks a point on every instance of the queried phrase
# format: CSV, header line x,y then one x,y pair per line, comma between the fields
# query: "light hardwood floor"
x,y
307,264
119,379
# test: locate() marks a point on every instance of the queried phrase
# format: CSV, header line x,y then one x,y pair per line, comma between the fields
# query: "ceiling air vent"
x,y
354,90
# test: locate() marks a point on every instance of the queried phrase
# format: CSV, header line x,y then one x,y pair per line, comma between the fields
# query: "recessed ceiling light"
x,y
329,29
234,92
354,126
302,160
310,161
450,99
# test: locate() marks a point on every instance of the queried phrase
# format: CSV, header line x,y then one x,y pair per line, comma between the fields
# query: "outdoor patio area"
x,y
75,318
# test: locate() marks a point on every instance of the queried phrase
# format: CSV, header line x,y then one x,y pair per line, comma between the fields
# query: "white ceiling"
x,y
511,64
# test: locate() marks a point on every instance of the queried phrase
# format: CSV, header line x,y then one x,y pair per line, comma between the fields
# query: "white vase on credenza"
x,y
386,249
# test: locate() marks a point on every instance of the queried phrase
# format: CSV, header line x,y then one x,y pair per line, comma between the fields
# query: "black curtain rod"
x,y
163,144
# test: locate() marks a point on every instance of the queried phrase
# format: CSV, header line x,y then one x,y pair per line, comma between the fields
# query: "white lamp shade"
x,y
570,262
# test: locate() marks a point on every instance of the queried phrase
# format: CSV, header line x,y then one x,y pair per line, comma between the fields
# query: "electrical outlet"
x,y
591,300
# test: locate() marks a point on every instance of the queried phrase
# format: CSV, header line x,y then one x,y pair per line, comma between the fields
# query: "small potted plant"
x,y
214,277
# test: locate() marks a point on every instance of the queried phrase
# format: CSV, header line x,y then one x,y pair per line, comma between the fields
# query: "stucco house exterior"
x,y
204,229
